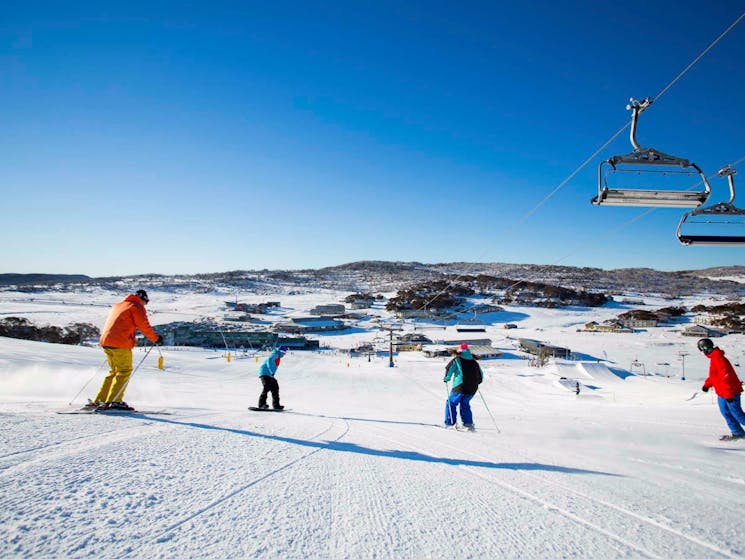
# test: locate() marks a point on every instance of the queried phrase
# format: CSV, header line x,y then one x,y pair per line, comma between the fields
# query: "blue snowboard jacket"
x,y
269,367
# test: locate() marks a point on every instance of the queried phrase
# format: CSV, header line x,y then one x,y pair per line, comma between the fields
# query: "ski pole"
x,y
87,383
123,388
447,400
489,411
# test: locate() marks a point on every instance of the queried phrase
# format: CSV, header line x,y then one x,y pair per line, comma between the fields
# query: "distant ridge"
x,y
41,279
381,276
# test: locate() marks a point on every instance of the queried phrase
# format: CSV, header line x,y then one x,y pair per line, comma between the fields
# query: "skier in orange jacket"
x,y
117,341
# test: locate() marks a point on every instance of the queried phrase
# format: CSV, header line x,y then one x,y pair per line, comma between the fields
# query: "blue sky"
x,y
174,138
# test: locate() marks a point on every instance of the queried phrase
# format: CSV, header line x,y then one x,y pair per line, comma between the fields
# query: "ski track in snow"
x,y
536,487
69,447
163,535
376,494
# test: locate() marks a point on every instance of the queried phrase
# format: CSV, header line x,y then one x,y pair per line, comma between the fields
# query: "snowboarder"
x,y
269,383
117,341
467,375
727,386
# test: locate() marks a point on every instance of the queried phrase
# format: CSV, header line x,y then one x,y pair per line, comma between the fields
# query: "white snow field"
x,y
358,465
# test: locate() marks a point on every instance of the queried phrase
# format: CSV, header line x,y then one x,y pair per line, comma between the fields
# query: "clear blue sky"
x,y
168,138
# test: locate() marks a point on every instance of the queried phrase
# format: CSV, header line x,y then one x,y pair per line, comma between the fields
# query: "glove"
x,y
159,341
705,388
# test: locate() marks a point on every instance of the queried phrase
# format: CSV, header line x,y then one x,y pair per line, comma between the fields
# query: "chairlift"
x,y
648,164
723,213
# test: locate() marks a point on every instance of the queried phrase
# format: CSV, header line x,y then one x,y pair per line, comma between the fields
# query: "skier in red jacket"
x,y
727,386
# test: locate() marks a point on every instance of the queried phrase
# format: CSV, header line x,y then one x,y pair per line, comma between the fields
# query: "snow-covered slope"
x,y
357,466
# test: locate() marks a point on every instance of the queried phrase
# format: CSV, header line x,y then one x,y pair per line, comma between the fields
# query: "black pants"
x,y
270,384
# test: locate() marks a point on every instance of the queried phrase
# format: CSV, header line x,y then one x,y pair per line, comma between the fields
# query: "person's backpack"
x,y
472,375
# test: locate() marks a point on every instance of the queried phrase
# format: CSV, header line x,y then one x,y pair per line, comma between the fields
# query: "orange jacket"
x,y
124,319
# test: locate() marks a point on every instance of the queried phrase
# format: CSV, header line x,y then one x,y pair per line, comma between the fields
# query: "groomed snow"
x,y
357,466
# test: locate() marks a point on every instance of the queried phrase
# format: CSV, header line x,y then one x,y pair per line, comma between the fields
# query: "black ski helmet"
x,y
705,345
142,294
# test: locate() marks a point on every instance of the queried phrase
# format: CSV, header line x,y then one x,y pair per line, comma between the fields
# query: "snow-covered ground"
x,y
358,465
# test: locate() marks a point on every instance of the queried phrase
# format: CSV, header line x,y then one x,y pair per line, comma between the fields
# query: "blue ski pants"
x,y
733,414
451,408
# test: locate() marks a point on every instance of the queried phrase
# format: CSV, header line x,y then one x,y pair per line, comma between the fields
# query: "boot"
x,y
91,405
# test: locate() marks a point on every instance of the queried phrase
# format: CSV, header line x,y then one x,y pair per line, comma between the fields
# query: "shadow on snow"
x,y
337,446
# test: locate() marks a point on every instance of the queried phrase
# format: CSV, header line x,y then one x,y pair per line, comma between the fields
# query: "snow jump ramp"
x,y
596,371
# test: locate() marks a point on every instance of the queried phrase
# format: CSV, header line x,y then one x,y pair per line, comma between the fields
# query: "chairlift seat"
x,y
647,161
722,209
719,240
654,198
719,210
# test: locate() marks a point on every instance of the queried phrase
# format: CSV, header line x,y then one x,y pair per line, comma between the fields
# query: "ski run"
x,y
631,467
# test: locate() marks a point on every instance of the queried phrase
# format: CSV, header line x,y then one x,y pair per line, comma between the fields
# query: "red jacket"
x,y
124,319
722,375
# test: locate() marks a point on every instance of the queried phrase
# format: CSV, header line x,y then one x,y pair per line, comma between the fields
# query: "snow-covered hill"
x,y
383,276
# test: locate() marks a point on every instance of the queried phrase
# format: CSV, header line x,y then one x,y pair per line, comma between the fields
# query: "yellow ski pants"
x,y
120,369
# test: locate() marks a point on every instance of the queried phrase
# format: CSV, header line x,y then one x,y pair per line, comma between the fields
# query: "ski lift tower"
x,y
639,365
682,355
391,329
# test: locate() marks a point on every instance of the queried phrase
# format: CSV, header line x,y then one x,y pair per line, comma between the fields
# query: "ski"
x,y
114,412
254,408
732,438
455,428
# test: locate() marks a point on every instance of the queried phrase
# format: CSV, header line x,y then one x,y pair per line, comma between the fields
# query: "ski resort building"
x,y
539,348
328,310
202,335
612,326
700,331
310,324
477,350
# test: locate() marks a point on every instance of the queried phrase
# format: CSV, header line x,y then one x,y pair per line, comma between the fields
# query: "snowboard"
x,y
114,412
254,408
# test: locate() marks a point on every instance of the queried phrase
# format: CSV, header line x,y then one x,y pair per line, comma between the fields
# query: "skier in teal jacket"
x,y
266,376
467,375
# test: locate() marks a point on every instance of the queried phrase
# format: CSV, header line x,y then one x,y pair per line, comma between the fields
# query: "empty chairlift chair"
x,y
647,165
718,224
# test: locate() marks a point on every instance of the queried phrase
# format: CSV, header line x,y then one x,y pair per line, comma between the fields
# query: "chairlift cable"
x,y
625,126
571,175
700,56
595,154
610,233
